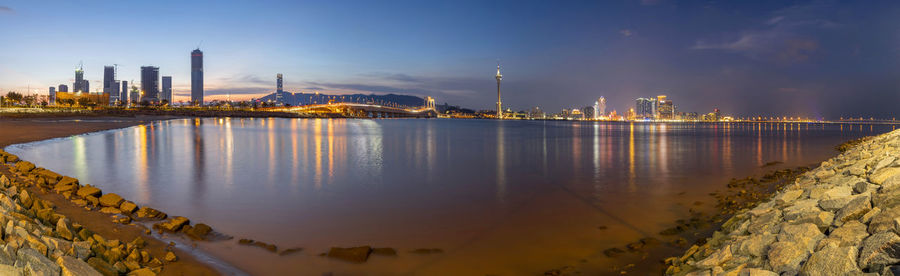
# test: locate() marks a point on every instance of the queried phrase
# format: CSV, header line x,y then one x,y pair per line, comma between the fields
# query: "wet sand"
x,y
36,127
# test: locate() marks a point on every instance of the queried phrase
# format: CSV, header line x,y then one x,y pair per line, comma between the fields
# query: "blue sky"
x,y
801,58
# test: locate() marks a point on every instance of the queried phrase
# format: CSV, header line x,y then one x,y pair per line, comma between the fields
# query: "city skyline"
x,y
800,59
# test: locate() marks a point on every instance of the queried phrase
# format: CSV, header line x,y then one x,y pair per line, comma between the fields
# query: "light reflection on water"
x,y
496,196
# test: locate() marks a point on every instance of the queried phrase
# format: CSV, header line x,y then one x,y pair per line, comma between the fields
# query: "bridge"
x,y
358,110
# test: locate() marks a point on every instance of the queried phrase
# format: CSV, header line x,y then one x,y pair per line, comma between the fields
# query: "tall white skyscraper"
x,y
601,106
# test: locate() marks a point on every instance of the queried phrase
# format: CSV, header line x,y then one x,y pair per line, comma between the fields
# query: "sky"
x,y
747,58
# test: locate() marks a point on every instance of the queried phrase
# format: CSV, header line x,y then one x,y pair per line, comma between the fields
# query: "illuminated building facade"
x,y
150,84
197,77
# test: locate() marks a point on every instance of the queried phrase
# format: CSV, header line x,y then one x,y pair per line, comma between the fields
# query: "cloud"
x,y
626,32
5,9
788,36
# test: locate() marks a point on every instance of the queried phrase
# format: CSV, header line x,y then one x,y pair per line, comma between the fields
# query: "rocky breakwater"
x,y
842,218
36,240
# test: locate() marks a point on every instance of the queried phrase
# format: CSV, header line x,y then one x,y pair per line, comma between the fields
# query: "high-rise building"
x,y
149,83
665,109
52,95
63,88
109,83
197,77
118,94
499,103
601,107
279,88
123,93
135,95
78,86
166,89
86,85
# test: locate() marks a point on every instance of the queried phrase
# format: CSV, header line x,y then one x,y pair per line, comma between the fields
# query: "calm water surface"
x,y
499,197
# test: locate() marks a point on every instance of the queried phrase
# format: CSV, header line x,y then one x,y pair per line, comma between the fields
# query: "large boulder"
x,y
128,207
785,257
879,249
352,254
855,209
831,261
806,234
887,198
765,222
36,263
147,213
24,166
102,266
849,234
172,225
757,245
883,174
87,190
111,200
884,220
74,267
716,258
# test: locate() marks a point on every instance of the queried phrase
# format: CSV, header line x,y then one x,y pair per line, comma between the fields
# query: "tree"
x,y
14,97
84,101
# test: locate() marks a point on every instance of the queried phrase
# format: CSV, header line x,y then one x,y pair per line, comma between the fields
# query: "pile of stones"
x,y
842,218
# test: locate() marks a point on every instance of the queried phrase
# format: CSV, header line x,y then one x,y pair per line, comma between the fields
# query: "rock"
x,y
110,210
785,257
92,200
765,222
834,204
860,187
849,234
884,220
883,163
869,215
113,255
613,252
147,213
4,181
378,251
806,234
74,267
62,230
103,267
86,190
787,196
837,192
128,207
199,231
855,209
757,245
36,263
824,173
879,249
887,198
142,272
716,258
7,255
172,225
831,261
139,242
111,200
82,249
883,174
821,219
11,270
24,166
170,257
352,254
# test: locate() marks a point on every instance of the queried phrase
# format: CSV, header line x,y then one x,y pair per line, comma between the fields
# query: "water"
x,y
499,197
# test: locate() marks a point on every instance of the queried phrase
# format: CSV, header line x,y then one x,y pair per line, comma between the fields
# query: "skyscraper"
x,y
150,83
63,88
123,93
197,77
166,89
86,85
499,103
52,98
109,83
601,106
78,86
279,88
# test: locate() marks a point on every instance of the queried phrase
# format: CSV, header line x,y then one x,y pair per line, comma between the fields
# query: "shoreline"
x,y
41,128
839,218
